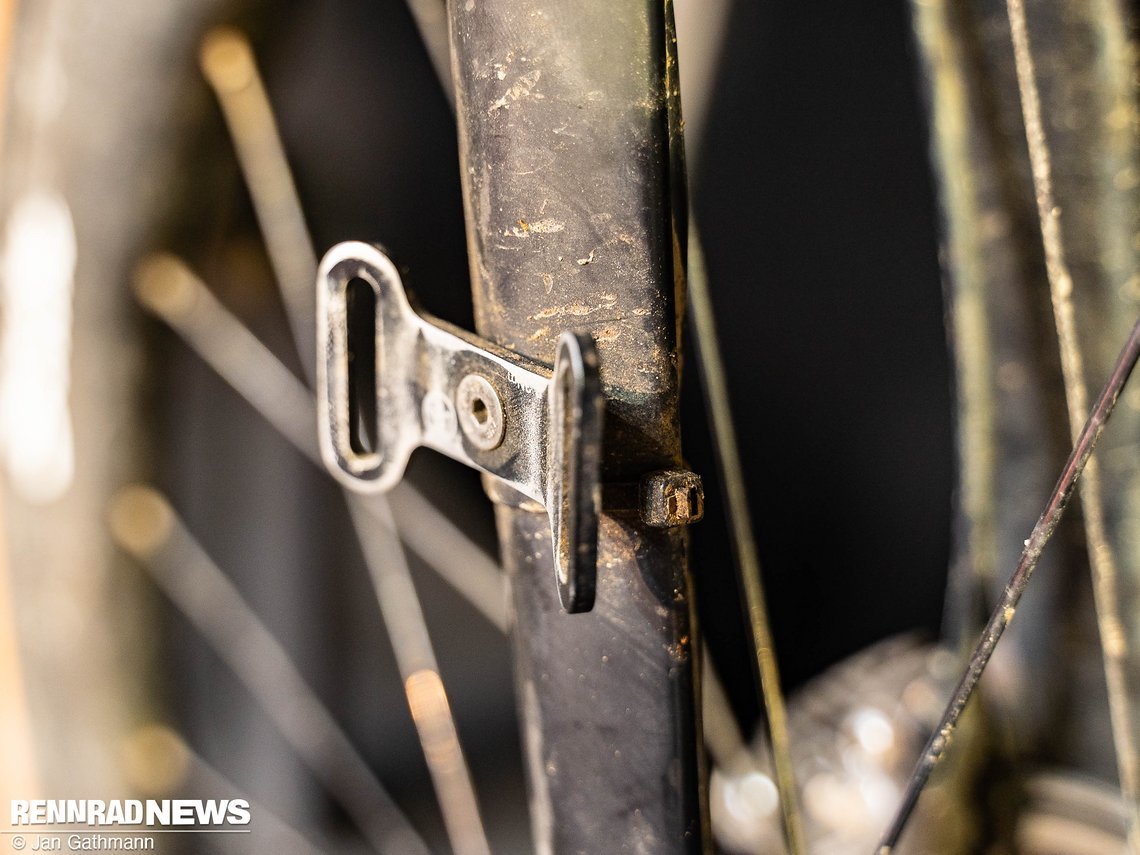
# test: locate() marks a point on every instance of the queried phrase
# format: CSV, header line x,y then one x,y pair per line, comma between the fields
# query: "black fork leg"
x,y
565,128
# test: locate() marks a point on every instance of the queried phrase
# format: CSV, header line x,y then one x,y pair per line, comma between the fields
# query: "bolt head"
x,y
480,412
672,497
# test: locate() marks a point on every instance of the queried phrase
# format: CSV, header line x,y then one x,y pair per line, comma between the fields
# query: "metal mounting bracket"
x,y
391,380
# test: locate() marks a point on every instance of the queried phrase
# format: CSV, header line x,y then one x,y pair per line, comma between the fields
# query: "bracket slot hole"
x,y
363,368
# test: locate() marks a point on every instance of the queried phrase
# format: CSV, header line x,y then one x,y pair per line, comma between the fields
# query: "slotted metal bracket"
x,y
392,380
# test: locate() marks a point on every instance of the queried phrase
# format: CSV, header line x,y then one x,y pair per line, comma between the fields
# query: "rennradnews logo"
x,y
136,812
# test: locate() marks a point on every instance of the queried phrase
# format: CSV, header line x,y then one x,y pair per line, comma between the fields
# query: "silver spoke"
x,y
167,287
161,760
454,558
227,61
431,713
145,525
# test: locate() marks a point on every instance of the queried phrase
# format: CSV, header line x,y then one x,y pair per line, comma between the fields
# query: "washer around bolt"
x,y
480,412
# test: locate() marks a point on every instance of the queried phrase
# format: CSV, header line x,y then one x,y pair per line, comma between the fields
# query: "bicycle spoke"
x,y
455,559
1007,605
167,288
715,384
1114,637
403,615
145,525
228,64
723,737
162,746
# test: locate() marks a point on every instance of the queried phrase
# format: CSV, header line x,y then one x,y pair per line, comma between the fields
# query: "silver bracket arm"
x,y
391,380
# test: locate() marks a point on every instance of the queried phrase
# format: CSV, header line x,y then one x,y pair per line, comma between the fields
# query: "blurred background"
x,y
816,182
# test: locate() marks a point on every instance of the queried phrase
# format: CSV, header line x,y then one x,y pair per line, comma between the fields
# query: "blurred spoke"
x,y
431,20
403,616
145,525
227,61
160,761
723,737
455,559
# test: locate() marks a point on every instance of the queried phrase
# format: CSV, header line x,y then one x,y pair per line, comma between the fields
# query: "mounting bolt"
x,y
480,412
672,497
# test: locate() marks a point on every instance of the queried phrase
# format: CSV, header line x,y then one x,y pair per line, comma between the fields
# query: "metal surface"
x,y
479,410
543,442
854,730
574,494
1069,815
672,497
564,127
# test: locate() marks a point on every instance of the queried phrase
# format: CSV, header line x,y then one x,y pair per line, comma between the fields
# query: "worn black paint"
x,y
564,140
